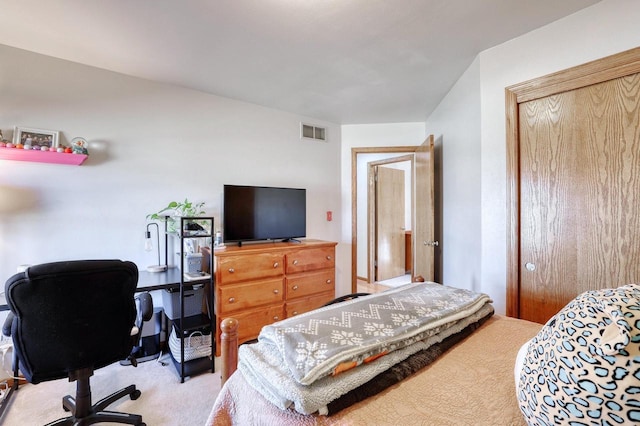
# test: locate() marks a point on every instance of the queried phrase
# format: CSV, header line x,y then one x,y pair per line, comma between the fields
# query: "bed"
x,y
464,377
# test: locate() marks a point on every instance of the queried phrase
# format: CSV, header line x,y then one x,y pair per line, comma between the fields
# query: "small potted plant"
x,y
174,211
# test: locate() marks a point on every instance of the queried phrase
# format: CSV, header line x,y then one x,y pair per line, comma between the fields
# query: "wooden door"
x,y
579,159
390,223
424,222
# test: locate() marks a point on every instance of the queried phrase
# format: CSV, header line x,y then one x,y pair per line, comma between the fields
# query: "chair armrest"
x,y
144,312
146,306
6,327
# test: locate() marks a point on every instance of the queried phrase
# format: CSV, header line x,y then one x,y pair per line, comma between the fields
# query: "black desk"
x,y
147,281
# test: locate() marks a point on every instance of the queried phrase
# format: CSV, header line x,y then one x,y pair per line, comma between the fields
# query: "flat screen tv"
x,y
257,213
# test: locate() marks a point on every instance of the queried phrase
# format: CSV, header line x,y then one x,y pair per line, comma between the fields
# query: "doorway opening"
x,y
422,261
390,220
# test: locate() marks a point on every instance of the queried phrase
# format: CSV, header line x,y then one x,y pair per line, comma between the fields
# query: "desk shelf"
x,y
185,325
173,279
17,154
192,367
192,323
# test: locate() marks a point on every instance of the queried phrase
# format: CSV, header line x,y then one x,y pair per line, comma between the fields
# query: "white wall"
x,y
606,28
369,135
152,143
455,125
149,144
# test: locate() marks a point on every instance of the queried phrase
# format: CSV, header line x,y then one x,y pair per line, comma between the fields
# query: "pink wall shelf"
x,y
41,156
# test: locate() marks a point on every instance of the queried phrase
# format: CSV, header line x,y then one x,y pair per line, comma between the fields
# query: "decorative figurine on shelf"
x,y
79,146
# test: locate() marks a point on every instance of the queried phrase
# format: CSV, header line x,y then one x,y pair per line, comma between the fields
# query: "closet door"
x,y
579,194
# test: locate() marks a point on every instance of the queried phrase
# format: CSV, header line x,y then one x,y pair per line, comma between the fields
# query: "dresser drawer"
x,y
305,305
249,295
251,322
302,285
310,259
232,269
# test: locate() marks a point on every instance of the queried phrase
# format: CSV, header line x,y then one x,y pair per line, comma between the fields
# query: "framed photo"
x,y
35,137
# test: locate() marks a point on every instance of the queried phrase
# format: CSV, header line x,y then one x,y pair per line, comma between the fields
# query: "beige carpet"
x,y
164,400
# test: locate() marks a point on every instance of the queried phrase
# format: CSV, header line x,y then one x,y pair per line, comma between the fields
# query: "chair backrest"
x,y
71,315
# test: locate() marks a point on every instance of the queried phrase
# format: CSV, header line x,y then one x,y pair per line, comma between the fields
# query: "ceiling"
x,y
343,61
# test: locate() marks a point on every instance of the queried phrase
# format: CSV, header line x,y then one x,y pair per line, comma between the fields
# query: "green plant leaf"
x,y
187,208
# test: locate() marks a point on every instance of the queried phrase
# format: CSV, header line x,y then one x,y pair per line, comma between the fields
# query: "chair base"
x,y
83,413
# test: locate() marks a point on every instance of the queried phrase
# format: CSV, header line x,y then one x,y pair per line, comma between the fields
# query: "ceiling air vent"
x,y
307,131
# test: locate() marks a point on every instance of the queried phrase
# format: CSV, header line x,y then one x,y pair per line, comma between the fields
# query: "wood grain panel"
x,y
249,295
579,186
237,268
605,69
513,204
609,128
300,306
302,285
608,116
424,218
547,194
251,322
250,281
309,260
390,220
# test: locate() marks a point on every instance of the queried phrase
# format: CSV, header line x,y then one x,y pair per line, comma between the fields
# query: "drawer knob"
x,y
231,270
294,288
275,264
295,262
328,257
276,291
295,312
276,318
329,281
232,299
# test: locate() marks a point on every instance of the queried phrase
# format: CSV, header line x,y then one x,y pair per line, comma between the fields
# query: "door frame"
x,y
594,72
354,200
371,210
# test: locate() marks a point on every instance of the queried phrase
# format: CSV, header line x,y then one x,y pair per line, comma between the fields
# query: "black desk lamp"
x,y
148,245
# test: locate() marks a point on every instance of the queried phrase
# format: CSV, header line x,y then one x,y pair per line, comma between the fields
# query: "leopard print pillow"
x,y
583,367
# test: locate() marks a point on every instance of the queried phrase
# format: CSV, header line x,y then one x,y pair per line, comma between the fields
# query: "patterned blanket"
x,y
397,324
314,344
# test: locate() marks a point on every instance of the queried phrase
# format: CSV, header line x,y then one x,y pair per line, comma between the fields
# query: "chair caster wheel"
x,y
135,395
65,408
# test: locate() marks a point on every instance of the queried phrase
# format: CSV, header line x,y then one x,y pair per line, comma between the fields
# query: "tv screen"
x,y
253,213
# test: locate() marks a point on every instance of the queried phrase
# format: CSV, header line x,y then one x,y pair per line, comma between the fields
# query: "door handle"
x,y
431,243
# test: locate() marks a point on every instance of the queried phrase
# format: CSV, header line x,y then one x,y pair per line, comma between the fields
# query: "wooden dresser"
x,y
259,284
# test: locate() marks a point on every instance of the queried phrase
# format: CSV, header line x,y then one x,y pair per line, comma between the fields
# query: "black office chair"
x,y
71,318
